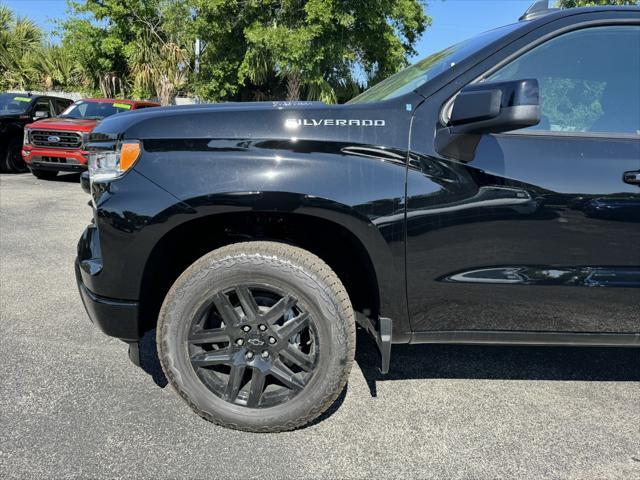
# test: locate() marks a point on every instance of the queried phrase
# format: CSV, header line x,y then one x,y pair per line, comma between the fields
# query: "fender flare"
x,y
389,274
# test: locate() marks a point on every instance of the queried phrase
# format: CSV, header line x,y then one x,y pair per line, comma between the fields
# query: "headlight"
x,y
111,164
25,138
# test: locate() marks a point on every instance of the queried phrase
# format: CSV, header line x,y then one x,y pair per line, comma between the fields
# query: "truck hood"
x,y
77,125
7,117
366,123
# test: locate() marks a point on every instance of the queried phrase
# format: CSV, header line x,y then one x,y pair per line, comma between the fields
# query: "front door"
x,y
541,230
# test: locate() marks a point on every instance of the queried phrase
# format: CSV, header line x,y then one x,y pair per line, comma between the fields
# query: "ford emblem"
x,y
53,139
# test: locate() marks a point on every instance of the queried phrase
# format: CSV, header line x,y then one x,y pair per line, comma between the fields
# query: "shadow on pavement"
x,y
498,363
466,362
150,363
63,177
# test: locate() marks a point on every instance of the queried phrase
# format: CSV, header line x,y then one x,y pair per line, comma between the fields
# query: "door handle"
x,y
632,178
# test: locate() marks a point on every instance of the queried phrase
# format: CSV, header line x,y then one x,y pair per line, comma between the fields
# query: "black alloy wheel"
x,y
257,336
253,345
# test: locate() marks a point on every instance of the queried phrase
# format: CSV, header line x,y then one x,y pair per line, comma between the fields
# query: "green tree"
x,y
54,67
313,49
130,47
18,37
157,66
592,3
99,56
253,49
220,27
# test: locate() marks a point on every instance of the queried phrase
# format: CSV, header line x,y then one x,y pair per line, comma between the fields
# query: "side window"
x,y
61,105
589,80
44,105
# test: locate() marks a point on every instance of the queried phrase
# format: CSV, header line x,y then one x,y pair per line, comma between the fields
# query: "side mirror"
x,y
484,108
40,115
496,107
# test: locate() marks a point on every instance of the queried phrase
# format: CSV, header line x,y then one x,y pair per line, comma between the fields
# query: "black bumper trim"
x,y
116,318
59,167
566,339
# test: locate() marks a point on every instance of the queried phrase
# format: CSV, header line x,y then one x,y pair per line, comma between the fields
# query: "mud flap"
x,y
382,336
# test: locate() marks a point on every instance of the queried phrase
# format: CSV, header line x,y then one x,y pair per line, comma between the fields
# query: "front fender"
x,y
358,187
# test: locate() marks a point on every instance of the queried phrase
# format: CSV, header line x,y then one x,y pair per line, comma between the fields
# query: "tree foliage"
x,y
129,47
54,67
314,49
252,49
18,38
592,3
571,104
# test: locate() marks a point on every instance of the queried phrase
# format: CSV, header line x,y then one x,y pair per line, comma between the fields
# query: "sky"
x,y
453,20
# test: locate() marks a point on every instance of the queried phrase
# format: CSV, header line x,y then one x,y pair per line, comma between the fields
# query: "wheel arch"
x,y
346,240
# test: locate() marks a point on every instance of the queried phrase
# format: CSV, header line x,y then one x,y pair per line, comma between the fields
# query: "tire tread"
x,y
301,263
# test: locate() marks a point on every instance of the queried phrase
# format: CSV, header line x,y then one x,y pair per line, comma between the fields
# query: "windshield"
x,y
94,110
14,103
428,68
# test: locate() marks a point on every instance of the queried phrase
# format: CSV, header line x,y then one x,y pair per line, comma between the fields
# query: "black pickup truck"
x,y
489,194
16,111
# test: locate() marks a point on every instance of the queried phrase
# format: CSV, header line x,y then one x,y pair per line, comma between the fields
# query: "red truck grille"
x,y
53,139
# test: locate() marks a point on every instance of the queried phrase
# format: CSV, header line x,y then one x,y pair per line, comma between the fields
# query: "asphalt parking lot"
x,y
72,405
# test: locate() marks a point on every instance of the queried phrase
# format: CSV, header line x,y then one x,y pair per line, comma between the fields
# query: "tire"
x,y
11,160
308,336
44,174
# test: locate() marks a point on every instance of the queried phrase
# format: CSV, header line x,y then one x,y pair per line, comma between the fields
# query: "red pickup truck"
x,y
57,144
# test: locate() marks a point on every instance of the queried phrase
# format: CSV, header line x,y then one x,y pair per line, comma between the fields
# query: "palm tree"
x,y
143,63
172,72
18,37
158,67
56,66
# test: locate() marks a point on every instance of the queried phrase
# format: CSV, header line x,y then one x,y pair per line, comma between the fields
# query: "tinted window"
x,y
14,103
94,110
44,105
589,80
60,105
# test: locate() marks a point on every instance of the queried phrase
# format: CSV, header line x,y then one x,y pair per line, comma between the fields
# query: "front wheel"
x,y
257,336
44,174
11,160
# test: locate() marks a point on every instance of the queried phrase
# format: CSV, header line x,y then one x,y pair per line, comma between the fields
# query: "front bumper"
x,y
57,167
114,250
55,159
116,318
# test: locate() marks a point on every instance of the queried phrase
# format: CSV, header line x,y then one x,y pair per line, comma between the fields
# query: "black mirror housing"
x,y
496,107
484,108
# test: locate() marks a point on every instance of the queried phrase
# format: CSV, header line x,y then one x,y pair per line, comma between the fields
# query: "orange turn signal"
x,y
129,153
